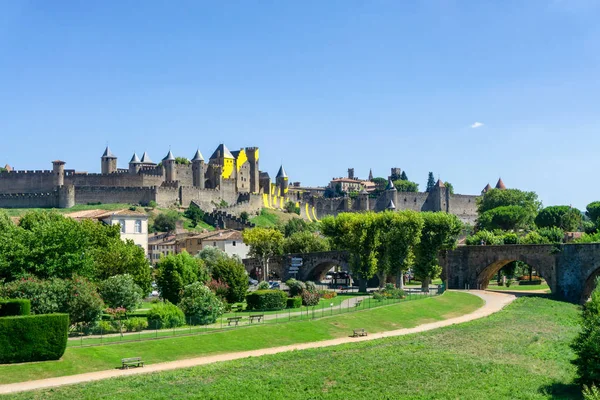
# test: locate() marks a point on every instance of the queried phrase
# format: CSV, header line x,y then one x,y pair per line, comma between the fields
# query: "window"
x,y
138,226
122,223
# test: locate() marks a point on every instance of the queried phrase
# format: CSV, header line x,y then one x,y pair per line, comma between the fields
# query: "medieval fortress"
x,y
229,183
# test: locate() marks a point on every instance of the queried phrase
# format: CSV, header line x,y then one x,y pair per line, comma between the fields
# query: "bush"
x,y
200,305
266,300
219,288
532,282
121,291
327,294
294,302
13,307
389,292
135,324
104,327
296,287
33,337
264,285
508,282
510,238
165,315
311,287
84,304
174,272
310,299
591,393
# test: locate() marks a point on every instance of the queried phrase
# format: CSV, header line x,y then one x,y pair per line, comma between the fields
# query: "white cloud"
x,y
477,125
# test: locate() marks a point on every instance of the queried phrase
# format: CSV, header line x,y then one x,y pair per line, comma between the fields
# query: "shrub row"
x,y
266,300
14,307
294,302
525,283
33,337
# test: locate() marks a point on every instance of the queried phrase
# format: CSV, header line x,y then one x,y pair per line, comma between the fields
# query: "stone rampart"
x,y
29,200
132,195
27,181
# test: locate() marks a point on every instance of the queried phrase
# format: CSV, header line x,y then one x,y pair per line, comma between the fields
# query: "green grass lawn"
x,y
269,218
517,287
402,315
521,352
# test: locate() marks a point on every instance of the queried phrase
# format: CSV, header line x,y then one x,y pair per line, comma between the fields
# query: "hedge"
x,y
33,337
536,282
13,307
266,300
294,302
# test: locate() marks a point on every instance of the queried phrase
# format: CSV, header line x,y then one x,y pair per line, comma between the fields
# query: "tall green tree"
x,y
305,242
403,176
593,211
165,222
175,271
359,235
406,186
265,243
121,291
231,271
449,187
430,182
519,209
439,232
564,217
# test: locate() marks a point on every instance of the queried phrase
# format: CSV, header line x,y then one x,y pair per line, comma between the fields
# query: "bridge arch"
x,y
485,276
317,272
590,285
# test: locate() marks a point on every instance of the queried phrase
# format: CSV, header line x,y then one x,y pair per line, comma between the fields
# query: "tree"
x,y
406,186
83,304
357,234
439,232
121,291
400,233
305,242
430,182
232,272
166,222
200,305
174,272
505,218
295,225
587,343
524,207
264,244
593,211
194,213
403,176
211,255
119,258
182,161
244,216
449,187
564,217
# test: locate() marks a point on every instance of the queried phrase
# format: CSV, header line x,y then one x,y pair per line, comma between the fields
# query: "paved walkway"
x,y
494,302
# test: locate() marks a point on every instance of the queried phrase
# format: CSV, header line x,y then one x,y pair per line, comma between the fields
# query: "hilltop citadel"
x,y
230,182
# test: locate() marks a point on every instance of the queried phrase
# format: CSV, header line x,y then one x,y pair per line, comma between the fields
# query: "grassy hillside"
x,y
269,218
521,352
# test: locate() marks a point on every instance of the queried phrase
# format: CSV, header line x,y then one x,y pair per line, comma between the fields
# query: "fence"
x,y
342,304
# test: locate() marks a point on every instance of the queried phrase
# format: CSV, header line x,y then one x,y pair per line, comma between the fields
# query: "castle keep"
x,y
229,177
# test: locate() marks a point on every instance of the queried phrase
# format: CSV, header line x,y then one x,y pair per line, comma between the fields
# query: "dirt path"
x,y
494,302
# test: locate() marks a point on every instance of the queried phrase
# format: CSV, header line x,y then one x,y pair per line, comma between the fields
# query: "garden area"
x,y
405,314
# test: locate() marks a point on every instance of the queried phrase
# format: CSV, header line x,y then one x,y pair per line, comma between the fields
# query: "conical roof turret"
x,y
391,205
198,156
487,188
222,151
134,159
108,153
440,184
390,185
146,159
281,173
169,157
500,184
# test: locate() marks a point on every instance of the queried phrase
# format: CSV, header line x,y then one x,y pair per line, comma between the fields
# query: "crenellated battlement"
x,y
18,173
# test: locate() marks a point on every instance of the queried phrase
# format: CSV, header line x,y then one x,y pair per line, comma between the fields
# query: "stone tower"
x,y
108,162
134,164
439,197
350,173
363,198
281,180
396,173
391,194
252,154
198,170
58,171
169,166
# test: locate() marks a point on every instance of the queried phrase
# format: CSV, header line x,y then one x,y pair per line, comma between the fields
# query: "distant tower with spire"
x,y
281,181
108,162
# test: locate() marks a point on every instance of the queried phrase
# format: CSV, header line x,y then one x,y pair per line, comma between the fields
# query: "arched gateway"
x,y
569,269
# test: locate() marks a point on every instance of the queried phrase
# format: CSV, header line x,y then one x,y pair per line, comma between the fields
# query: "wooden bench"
x,y
233,319
359,332
131,362
257,316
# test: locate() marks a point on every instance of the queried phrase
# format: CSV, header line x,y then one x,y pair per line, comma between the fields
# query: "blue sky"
x,y
318,85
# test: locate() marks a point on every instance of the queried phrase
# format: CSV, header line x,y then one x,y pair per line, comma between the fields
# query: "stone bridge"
x,y
569,269
314,265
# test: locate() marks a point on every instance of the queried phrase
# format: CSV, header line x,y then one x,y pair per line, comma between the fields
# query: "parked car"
x,y
252,282
274,285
